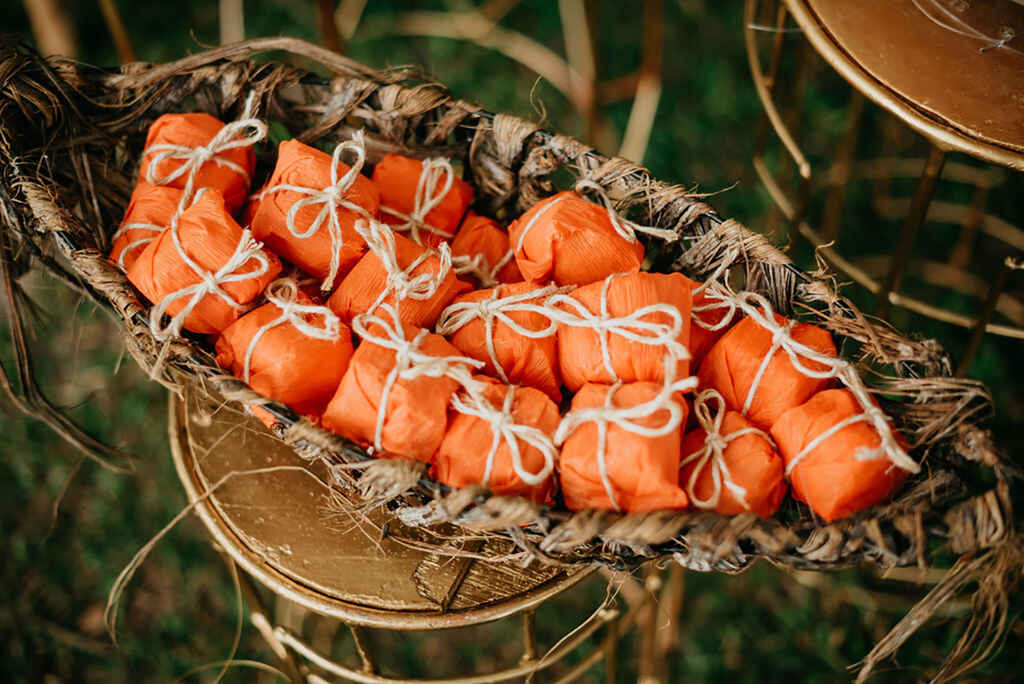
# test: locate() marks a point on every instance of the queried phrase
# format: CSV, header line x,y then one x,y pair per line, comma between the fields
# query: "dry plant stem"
x,y
69,144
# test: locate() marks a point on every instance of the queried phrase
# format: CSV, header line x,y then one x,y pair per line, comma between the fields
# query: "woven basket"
x,y
70,139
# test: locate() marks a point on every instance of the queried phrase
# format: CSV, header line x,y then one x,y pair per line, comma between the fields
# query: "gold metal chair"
x,y
949,70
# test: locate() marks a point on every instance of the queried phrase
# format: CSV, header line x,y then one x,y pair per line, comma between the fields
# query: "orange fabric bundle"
x,y
308,209
500,436
751,366
394,395
423,198
481,250
289,349
202,271
620,447
399,272
507,328
572,241
623,327
201,148
711,319
150,211
833,455
728,465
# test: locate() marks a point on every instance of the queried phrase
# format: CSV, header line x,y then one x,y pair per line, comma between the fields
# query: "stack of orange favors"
x,y
535,360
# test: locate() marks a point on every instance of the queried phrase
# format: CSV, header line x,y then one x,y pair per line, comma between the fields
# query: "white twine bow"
x,y
283,293
728,304
712,453
626,418
128,227
624,227
497,308
435,180
477,266
244,132
504,429
634,326
246,250
400,281
758,309
410,361
331,198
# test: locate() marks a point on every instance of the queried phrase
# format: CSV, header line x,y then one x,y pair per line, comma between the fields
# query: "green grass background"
x,y
69,527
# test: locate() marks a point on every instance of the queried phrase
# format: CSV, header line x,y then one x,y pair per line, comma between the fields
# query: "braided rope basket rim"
x,y
65,145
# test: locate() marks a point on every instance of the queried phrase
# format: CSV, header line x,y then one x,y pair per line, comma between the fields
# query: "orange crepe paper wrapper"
x,y
571,241
830,478
416,409
731,366
463,457
702,339
518,358
149,213
288,364
748,470
364,284
307,167
211,238
482,239
398,179
192,131
579,347
643,472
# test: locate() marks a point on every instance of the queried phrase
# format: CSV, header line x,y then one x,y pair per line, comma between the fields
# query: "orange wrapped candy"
x,y
509,329
836,454
150,211
752,365
196,150
620,447
289,349
728,465
399,272
308,209
401,409
623,327
500,436
202,271
423,198
572,241
711,318
481,250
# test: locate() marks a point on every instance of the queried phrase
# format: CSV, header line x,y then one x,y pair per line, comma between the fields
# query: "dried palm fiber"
x,y
500,436
728,465
509,328
394,395
196,150
307,211
622,328
417,282
621,446
481,251
833,457
288,349
202,271
66,183
149,213
763,366
422,198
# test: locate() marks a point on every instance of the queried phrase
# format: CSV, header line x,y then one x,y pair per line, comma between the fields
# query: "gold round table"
x,y
268,511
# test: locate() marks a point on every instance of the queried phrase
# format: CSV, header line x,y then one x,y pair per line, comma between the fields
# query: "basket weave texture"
x,y
70,140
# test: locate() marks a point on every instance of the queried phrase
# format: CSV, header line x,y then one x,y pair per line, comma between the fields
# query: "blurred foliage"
x,y
71,526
